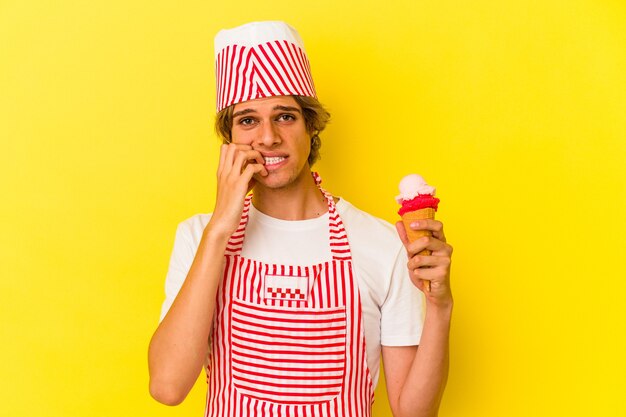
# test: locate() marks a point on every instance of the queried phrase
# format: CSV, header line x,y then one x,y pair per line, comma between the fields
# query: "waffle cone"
x,y
410,217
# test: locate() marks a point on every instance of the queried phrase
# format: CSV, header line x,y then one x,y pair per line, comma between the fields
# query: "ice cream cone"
x,y
410,217
418,202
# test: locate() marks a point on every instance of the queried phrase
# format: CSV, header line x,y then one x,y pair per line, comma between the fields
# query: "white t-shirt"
x,y
391,304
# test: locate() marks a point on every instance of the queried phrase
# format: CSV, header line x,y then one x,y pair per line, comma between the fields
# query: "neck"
x,y
300,200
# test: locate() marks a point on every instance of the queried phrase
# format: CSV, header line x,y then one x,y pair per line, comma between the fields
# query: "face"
x,y
275,127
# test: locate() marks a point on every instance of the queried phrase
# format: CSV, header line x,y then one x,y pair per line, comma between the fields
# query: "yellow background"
x,y
515,110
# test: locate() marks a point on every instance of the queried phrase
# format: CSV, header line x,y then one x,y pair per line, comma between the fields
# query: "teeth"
x,y
273,160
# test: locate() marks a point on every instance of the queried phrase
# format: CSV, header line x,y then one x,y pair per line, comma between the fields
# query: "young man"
x,y
289,295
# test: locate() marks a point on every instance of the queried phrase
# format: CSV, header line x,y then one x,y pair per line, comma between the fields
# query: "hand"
x,y
435,267
238,164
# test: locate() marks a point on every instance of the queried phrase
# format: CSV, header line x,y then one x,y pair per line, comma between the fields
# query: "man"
x,y
288,296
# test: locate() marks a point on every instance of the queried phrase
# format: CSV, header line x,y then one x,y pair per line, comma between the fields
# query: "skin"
x,y
416,376
270,128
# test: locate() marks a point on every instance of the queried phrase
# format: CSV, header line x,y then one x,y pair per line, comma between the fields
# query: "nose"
x,y
268,135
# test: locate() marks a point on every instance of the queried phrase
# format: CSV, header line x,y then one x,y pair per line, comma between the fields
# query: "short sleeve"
x,y
402,313
180,261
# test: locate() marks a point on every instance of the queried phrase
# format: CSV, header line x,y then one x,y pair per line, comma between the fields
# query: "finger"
x,y
255,156
421,285
440,235
252,169
402,233
240,147
444,250
434,226
428,261
238,164
429,274
229,158
257,169
220,166
426,242
247,157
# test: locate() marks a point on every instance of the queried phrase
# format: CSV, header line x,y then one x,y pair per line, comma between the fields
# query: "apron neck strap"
x,y
339,246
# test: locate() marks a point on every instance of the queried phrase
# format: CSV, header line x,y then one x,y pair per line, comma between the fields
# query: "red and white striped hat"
x,y
260,59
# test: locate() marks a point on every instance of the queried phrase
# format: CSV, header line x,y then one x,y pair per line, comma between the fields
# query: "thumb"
x,y
402,232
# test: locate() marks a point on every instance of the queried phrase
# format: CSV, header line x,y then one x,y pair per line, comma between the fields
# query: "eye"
x,y
286,117
246,121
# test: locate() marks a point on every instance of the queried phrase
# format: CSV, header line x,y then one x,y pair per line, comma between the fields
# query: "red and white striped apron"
x,y
289,340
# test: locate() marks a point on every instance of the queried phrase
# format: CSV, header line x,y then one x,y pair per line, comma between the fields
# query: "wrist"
x,y
442,310
216,235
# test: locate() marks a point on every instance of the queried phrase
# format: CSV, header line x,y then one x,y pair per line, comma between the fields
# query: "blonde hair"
x,y
315,119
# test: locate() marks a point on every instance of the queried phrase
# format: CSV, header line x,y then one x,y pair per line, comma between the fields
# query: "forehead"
x,y
267,104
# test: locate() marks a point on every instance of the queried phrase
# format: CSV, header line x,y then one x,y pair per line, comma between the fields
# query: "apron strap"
x,y
317,178
339,246
235,243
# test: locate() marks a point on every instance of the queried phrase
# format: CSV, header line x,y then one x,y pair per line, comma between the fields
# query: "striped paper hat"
x,y
260,59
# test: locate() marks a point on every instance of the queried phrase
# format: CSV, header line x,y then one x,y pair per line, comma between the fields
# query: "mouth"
x,y
274,161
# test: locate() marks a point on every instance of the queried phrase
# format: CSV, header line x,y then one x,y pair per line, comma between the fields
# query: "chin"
x,y
278,180
272,181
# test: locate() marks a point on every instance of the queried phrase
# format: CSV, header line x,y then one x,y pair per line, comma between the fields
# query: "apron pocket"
x,y
288,356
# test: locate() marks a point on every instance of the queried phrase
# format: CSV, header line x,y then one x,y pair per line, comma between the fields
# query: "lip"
x,y
277,165
273,155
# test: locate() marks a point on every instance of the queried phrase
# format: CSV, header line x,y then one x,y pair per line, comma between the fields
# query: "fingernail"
x,y
415,224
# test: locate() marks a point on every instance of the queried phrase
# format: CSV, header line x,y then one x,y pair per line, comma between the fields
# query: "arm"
x,y
416,377
179,346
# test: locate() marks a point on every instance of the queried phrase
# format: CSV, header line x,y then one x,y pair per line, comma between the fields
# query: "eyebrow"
x,y
242,112
279,107
286,108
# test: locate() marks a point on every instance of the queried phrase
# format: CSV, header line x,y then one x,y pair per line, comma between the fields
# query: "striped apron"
x,y
288,340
